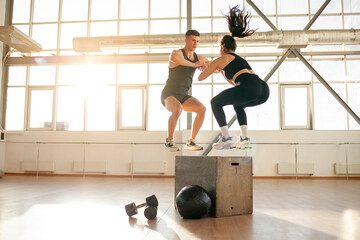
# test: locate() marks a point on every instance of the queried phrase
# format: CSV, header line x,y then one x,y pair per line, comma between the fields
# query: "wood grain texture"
x,y
227,179
64,207
234,186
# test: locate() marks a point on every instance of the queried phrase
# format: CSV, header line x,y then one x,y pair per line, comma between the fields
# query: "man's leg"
x,y
173,106
194,105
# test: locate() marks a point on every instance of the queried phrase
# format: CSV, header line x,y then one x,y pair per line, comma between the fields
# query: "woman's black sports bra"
x,y
235,65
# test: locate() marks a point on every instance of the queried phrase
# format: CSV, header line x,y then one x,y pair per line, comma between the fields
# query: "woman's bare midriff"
x,y
241,72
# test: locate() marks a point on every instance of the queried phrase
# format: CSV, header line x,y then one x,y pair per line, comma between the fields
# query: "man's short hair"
x,y
192,32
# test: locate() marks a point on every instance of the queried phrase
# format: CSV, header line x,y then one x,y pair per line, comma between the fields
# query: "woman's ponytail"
x,y
238,22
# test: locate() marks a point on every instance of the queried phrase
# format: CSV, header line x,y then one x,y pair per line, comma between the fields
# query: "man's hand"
x,y
201,65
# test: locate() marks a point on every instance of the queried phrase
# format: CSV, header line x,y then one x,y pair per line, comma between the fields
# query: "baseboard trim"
x,y
88,175
171,176
306,177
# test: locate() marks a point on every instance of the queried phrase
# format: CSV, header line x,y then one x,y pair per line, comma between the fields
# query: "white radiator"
x,y
290,168
286,168
353,168
148,167
90,167
41,166
305,168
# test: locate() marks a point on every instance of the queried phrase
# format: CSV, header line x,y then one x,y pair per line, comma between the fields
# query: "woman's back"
x,y
236,65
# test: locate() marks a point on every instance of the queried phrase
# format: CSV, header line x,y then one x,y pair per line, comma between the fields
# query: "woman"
x,y
249,90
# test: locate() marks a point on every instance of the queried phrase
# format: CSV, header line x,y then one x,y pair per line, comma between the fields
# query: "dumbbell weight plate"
x,y
150,212
151,201
131,209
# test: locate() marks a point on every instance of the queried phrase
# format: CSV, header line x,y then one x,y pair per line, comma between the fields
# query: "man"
x,y
175,97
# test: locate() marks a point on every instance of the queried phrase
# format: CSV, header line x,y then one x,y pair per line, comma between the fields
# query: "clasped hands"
x,y
202,65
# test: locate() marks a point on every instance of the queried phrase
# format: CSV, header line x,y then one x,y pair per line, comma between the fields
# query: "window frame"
x,y
119,104
28,108
309,124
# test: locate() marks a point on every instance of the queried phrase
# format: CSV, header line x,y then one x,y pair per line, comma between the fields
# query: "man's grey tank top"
x,y
180,77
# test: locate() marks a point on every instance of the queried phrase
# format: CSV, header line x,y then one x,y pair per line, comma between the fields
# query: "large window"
x,y
295,110
329,114
15,108
354,103
131,108
116,95
70,108
46,10
265,116
40,112
76,98
100,109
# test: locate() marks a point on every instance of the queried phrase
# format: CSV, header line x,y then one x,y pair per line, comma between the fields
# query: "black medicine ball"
x,y
193,202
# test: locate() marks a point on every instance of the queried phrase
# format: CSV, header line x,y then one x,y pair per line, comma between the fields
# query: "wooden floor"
x,y
93,208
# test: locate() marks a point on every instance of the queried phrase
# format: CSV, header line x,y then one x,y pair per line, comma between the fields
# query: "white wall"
x,y
120,149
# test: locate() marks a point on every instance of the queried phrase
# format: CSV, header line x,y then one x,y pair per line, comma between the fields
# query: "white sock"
x,y
244,131
225,131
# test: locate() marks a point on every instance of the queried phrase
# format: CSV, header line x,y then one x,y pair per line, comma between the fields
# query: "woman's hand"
x,y
210,70
218,70
201,65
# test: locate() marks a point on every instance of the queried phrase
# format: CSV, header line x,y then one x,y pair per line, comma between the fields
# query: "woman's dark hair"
x,y
228,42
238,23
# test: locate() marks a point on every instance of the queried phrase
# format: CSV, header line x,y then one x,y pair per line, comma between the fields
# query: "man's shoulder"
x,y
176,51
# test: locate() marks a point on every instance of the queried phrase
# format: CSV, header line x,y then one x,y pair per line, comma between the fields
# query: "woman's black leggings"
x,y
252,91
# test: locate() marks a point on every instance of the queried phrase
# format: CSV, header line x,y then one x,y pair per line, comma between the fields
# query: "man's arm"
x,y
204,59
207,62
213,67
177,58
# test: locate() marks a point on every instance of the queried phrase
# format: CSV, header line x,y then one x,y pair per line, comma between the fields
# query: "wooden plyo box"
x,y
227,179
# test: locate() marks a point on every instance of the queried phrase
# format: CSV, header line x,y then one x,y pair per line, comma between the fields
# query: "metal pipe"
x,y
327,86
95,44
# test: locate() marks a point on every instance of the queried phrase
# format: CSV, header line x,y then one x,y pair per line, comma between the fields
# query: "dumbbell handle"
x,y
131,209
141,205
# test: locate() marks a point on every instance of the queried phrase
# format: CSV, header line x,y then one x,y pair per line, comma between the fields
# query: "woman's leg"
x,y
226,97
240,114
242,119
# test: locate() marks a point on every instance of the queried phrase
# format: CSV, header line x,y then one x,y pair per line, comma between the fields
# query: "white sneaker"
x,y
243,143
170,144
223,143
192,146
